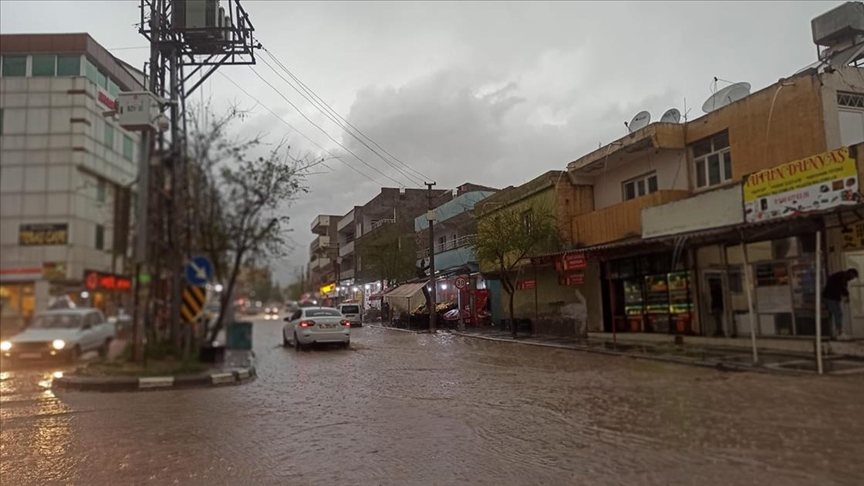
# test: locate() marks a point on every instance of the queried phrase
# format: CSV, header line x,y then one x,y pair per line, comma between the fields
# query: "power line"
x,y
322,130
408,177
339,120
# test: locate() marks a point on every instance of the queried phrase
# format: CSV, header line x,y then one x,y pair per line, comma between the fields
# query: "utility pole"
x,y
430,217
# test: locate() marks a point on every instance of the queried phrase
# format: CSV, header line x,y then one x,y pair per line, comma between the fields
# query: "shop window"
x,y
109,135
68,65
640,186
808,243
100,237
43,65
127,147
14,66
712,161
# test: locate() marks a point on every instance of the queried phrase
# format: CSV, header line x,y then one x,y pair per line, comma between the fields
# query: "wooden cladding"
x,y
619,221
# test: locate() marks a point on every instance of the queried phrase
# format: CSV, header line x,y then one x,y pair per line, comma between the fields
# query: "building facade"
x,y
67,169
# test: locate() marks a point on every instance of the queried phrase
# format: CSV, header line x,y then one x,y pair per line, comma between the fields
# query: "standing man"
x,y
836,291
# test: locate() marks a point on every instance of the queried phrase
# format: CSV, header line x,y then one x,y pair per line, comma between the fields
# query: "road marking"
x,y
156,382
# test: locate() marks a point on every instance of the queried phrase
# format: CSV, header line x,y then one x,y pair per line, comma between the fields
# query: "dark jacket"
x,y
837,287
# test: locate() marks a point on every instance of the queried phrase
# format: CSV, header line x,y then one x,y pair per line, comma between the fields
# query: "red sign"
x,y
528,284
572,279
461,283
92,280
107,101
124,283
573,261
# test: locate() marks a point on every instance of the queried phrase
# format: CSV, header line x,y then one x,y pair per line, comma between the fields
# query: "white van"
x,y
351,312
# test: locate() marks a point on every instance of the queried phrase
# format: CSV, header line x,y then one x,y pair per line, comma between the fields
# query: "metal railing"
x,y
462,241
381,222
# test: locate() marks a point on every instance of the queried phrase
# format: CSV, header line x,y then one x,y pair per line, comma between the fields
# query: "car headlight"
x,y
5,346
58,344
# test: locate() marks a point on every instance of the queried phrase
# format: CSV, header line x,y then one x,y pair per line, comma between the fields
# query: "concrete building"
x,y
66,169
323,252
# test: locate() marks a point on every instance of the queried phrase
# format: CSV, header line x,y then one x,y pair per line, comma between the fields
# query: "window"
x,y
93,74
100,190
100,237
43,65
109,135
14,66
127,147
528,220
638,187
113,89
68,65
712,161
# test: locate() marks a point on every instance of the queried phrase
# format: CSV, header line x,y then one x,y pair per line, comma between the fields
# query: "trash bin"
x,y
239,336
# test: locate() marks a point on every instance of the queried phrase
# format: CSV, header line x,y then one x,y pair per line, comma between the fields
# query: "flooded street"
x,y
402,408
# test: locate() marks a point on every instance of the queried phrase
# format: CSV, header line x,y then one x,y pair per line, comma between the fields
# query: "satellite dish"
x,y
672,115
725,96
641,120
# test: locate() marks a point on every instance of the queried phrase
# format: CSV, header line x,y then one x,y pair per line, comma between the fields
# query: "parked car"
x,y
66,333
311,325
351,312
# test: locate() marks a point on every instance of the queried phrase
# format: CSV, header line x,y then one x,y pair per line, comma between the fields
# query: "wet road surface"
x,y
402,408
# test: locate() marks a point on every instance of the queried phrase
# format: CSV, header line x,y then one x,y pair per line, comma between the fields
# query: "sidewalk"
x,y
730,354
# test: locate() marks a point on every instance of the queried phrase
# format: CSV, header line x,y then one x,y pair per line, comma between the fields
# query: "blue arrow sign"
x,y
199,270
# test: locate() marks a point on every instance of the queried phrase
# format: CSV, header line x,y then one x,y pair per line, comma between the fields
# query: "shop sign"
x,y
815,183
54,270
104,281
43,234
853,236
573,261
528,284
326,289
577,278
106,100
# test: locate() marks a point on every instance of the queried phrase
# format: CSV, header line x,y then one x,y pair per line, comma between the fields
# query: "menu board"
x,y
804,285
657,294
771,273
633,305
679,293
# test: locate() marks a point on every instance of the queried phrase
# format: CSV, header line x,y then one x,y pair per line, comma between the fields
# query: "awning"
x,y
405,291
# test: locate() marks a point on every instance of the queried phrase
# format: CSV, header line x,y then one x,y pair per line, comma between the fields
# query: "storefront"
x,y
650,293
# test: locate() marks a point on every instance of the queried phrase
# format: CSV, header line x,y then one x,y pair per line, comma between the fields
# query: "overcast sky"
x,y
491,93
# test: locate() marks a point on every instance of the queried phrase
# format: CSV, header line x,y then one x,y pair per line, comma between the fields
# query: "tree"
x,y
241,198
507,236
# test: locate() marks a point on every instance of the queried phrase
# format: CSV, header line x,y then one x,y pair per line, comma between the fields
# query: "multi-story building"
x,y
67,168
323,251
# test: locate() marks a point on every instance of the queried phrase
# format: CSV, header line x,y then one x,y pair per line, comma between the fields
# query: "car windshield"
x,y
350,309
57,321
323,313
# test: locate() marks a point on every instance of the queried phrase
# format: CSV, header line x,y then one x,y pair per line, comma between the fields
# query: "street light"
x,y
443,286
218,288
355,289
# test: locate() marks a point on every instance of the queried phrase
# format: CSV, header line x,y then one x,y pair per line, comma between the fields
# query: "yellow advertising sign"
x,y
815,183
326,289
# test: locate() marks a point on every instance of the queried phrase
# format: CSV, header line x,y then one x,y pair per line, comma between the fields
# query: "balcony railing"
x,y
462,241
381,222
346,248
619,221
319,242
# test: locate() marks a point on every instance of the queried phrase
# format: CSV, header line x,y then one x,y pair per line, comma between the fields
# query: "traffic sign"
x,y
461,283
193,301
199,270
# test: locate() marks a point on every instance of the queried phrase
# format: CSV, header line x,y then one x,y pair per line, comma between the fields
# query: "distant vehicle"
x,y
66,333
351,312
271,312
312,325
291,306
251,310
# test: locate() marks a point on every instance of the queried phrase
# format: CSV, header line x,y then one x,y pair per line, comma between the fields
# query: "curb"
x,y
667,359
121,384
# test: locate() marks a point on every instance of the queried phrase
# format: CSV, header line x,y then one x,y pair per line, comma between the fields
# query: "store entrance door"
x,y
855,321
714,321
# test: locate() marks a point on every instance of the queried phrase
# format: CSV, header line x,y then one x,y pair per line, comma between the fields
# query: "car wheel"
x,y
346,345
285,342
103,350
74,353
297,345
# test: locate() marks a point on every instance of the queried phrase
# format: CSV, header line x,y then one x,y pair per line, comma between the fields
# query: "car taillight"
x,y
307,323
346,323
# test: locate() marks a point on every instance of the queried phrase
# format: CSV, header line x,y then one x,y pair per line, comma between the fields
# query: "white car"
x,y
66,333
311,325
352,314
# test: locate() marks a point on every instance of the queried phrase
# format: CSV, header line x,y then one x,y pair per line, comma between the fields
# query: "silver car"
x,y
311,325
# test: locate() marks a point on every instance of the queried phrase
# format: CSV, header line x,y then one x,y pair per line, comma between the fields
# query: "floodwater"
x,y
401,408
